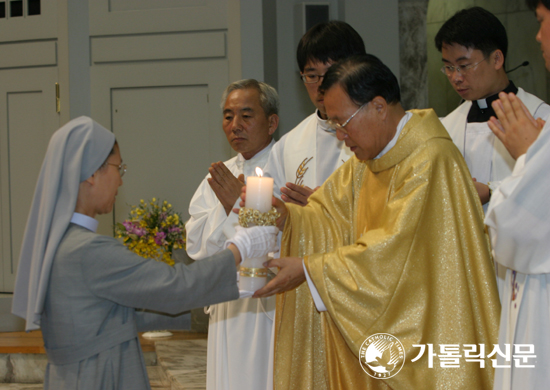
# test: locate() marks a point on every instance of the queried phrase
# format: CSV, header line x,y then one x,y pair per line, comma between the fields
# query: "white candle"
x,y
259,191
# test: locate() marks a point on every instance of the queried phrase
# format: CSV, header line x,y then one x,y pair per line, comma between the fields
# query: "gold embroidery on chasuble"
x,y
394,245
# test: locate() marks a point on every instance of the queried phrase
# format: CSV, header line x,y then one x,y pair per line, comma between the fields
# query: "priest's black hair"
x,y
533,4
329,41
474,28
363,78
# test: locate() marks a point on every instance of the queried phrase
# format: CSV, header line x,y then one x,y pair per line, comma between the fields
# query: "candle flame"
x,y
259,171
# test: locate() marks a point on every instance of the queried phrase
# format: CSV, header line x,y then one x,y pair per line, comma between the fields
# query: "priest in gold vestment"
x,y
393,242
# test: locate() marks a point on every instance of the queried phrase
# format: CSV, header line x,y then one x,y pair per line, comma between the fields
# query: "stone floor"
x,y
157,378
178,363
184,363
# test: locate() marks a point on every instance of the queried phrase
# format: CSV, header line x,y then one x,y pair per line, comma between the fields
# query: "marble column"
x,y
413,53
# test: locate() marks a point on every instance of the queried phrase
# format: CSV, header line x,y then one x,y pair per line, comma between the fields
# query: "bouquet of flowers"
x,y
153,230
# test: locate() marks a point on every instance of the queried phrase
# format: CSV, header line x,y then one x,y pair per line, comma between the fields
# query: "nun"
x,y
82,288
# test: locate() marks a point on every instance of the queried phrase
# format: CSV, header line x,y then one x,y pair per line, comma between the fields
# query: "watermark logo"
x,y
382,356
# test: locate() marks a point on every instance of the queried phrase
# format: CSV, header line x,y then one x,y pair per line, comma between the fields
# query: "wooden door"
x,y
29,118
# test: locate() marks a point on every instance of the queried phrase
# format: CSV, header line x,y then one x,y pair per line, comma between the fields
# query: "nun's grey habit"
x,y
81,288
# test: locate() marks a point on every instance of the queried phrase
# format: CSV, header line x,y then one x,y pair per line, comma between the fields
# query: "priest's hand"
x,y
291,274
294,193
515,127
225,185
482,190
277,203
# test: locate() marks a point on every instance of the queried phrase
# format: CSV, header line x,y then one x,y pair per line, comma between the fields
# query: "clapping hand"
x,y
515,126
225,185
294,193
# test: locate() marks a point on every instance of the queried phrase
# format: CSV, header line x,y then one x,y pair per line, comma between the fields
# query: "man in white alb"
x,y
473,45
306,156
518,219
239,332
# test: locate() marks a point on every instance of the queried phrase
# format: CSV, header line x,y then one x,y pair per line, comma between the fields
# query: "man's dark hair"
x,y
533,4
474,28
329,41
363,78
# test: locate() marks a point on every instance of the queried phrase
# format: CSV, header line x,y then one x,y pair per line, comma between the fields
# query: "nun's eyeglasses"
x,y
121,168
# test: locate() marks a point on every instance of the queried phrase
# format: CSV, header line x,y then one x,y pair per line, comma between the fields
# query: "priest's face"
x,y
543,36
245,124
312,69
365,134
479,76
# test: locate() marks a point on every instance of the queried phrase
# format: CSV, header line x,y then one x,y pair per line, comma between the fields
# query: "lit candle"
x,y
259,191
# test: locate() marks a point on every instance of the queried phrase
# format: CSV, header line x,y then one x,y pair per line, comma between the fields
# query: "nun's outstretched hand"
x,y
254,241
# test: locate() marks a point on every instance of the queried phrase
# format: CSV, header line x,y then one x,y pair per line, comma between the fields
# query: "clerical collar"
x,y
85,221
323,123
400,126
481,110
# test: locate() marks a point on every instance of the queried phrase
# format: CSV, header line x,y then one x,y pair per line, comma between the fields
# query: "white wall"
x,y
378,23
252,47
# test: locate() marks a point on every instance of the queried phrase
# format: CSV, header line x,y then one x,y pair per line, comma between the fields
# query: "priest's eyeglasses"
x,y
310,78
448,70
338,126
121,168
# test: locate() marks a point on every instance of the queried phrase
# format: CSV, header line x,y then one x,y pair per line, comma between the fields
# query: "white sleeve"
x,y
519,217
209,225
543,111
319,304
275,166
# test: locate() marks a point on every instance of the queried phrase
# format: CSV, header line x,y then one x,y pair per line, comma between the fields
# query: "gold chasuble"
x,y
396,245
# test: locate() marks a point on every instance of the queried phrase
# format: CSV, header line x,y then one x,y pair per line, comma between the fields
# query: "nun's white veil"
x,y
75,152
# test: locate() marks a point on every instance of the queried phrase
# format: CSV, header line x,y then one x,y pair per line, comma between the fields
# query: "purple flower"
x,y
128,225
159,238
174,229
134,228
140,231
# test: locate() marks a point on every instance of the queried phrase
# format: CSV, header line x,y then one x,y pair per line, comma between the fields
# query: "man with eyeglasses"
x,y
392,243
473,45
306,156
